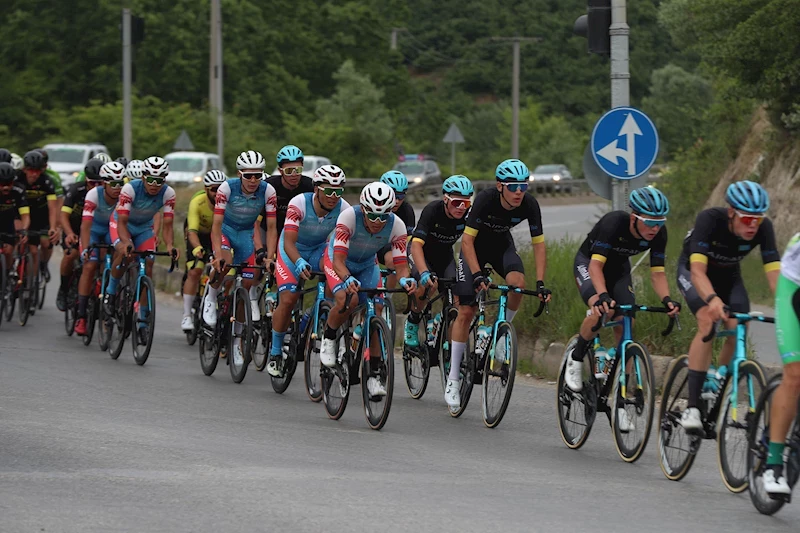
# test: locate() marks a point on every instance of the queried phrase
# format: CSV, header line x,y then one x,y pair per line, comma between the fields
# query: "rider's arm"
x,y
86,232
157,223
769,253
168,218
271,207
295,213
534,216
699,243
398,241
66,210
123,210
658,276
25,222
345,227
193,223
479,211
24,210
223,193
418,253
420,234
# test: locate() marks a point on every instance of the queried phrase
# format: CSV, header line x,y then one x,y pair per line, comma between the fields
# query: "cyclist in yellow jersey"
x,y
198,239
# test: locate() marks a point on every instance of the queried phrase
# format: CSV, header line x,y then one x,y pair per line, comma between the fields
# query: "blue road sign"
x,y
625,143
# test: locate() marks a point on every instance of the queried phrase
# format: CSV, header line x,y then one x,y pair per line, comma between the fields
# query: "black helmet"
x,y
34,159
123,160
5,156
7,173
92,170
44,154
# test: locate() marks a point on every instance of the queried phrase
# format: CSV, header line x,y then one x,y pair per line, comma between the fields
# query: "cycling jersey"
x,y
12,205
352,238
38,194
284,196
790,262
612,243
201,214
488,218
312,234
787,303
241,212
73,205
406,213
141,208
99,211
437,233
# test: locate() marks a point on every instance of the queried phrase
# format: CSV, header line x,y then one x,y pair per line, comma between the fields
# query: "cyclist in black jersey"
x,y
430,255
603,271
288,184
487,239
42,199
13,206
709,276
399,184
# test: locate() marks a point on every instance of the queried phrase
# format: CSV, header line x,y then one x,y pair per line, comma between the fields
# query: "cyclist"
x,y
134,169
602,270
42,199
238,204
16,162
71,215
487,239
399,184
198,239
350,261
13,205
131,225
55,177
98,206
431,253
102,157
784,400
311,217
5,156
709,277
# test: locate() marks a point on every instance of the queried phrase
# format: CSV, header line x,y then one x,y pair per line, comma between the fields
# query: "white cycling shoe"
x,y
210,312
773,485
187,324
573,374
375,387
327,353
452,393
624,422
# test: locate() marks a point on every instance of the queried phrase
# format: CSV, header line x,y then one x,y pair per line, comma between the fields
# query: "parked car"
x,y
419,169
547,177
310,164
68,159
189,167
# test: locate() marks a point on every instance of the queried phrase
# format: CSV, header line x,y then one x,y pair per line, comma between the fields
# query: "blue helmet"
x,y
289,154
649,201
512,170
396,180
457,184
747,196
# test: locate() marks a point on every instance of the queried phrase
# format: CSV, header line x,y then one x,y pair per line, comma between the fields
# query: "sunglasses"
x,y
332,191
652,222
291,171
399,196
212,189
458,203
115,184
377,217
154,180
516,187
252,176
749,220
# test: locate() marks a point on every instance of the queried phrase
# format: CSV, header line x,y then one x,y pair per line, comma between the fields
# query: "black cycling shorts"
x,y
205,242
727,284
443,266
502,257
39,222
618,283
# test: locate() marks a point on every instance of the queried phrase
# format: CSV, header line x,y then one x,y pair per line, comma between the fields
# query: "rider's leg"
x,y
85,286
190,288
65,269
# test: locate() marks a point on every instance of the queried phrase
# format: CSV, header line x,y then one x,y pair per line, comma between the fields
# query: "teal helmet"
x,y
649,201
512,170
457,184
289,154
396,180
747,196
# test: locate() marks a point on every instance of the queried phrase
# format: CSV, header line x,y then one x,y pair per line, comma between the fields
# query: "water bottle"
x,y
710,385
432,329
482,342
304,321
600,360
356,337
430,336
270,300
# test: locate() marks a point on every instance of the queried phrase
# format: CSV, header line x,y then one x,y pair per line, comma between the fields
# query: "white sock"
x,y
510,314
188,300
253,292
455,359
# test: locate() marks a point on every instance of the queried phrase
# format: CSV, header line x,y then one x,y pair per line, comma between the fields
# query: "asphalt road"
x,y
89,444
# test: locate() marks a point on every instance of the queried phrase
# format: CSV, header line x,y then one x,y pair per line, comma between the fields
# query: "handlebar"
x,y
632,309
173,257
371,293
741,318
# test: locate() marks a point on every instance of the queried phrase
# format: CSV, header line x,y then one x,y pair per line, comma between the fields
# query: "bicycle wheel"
x,y
734,424
191,336
468,375
3,285
311,365
446,348
10,292
677,449
105,322
26,292
144,321
71,311
91,318
576,410
388,314
635,396
262,337
209,347
41,290
241,333
757,451
119,322
377,408
415,364
498,375
336,385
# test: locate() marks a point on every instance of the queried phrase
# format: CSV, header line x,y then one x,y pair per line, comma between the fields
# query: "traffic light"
x,y
595,25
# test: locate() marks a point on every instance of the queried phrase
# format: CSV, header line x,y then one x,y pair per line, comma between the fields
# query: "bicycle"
x,y
417,362
315,331
354,353
491,356
130,293
577,410
8,280
95,310
720,409
757,450
388,311
197,303
20,283
71,309
262,329
223,335
42,277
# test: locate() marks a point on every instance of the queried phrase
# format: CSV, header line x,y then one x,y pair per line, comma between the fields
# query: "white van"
x,y
68,159
190,167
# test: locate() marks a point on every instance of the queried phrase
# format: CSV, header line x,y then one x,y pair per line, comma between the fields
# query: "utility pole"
x,y
127,133
393,39
515,41
212,62
620,82
217,9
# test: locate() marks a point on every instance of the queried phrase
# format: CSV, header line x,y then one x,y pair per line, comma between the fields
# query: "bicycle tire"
x,y
376,409
119,322
736,480
469,370
575,430
388,313
445,351
757,451
191,336
281,383
416,368
70,313
505,370
105,323
41,290
639,408
10,292
240,298
336,384
3,285
673,403
262,342
25,295
142,351
91,318
311,365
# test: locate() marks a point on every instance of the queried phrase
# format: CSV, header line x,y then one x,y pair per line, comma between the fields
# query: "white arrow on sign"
x,y
610,152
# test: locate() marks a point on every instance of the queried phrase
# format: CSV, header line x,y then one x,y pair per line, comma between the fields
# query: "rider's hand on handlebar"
x,y
603,304
672,305
717,310
479,282
303,268
71,240
351,285
544,293
52,234
409,284
175,253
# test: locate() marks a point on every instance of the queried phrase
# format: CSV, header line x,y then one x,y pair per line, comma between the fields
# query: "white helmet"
x,y
250,160
112,171
156,167
17,162
377,197
134,169
105,158
330,174
214,177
